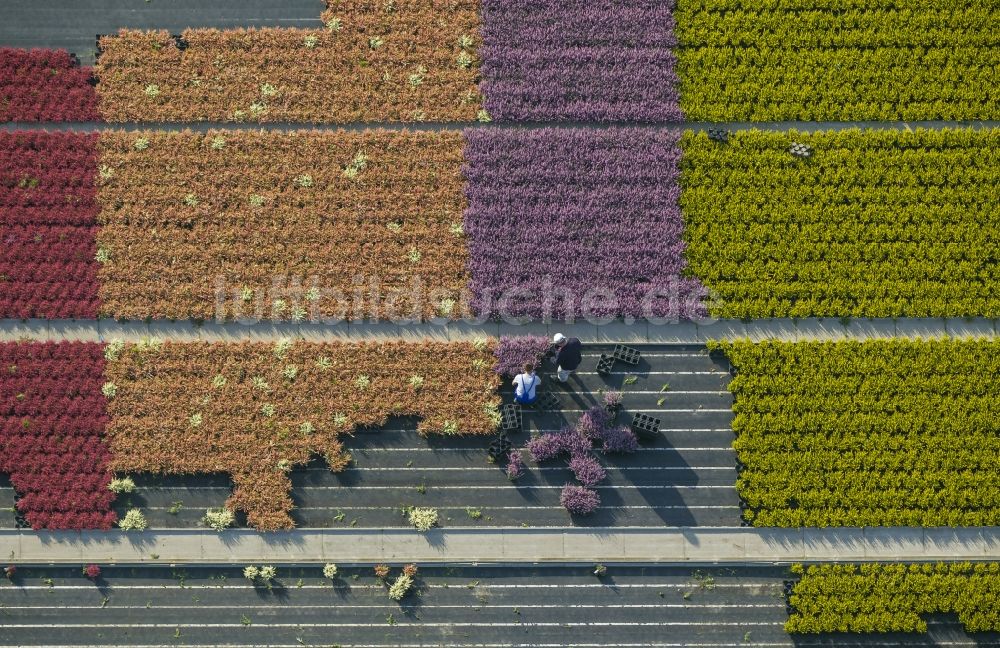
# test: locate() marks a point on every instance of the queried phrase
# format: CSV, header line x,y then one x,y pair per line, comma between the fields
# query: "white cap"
x,y
557,338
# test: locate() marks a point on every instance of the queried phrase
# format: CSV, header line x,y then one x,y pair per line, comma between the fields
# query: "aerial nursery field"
x,y
872,224
881,598
838,60
875,433
72,413
182,211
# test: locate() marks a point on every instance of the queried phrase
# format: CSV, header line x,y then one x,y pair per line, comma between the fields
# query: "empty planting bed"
x,y
454,606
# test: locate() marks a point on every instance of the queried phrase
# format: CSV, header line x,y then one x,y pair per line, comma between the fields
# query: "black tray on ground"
x,y
626,354
645,426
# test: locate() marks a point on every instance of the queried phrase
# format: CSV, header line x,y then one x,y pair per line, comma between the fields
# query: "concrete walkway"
x,y
636,333
677,545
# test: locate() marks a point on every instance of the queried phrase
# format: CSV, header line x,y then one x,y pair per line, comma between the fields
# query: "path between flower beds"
x,y
679,545
807,127
685,332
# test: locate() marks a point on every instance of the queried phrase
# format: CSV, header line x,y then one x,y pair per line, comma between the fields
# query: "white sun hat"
x,y
557,338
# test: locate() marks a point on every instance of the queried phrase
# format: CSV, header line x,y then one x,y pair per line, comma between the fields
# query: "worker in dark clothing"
x,y
567,352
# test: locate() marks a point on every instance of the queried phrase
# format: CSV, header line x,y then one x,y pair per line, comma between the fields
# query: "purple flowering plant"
x,y
579,500
512,351
581,60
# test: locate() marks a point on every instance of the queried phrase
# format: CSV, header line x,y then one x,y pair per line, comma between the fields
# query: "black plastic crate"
x,y
510,417
500,448
605,364
626,354
548,401
645,427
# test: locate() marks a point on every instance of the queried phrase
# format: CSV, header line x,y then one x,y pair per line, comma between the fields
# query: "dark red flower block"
x,y
45,85
53,418
48,225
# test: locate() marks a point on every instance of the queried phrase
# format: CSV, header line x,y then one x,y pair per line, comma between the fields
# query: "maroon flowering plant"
x,y
579,500
573,223
93,572
52,421
581,60
48,224
45,85
514,350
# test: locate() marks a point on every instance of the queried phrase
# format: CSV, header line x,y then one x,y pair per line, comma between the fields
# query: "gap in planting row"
x,y
212,435
875,433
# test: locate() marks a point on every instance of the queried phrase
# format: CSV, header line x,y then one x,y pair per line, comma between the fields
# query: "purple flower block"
x,y
612,399
583,60
513,351
594,218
